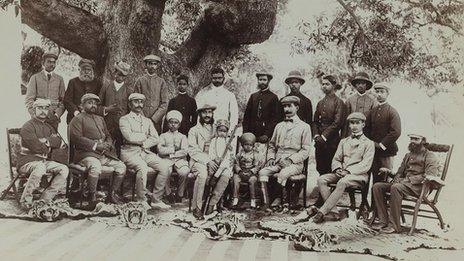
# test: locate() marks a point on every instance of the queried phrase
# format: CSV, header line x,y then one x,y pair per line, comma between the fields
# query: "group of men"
x,y
118,126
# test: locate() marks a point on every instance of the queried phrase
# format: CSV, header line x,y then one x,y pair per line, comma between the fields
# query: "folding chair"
x,y
430,190
14,148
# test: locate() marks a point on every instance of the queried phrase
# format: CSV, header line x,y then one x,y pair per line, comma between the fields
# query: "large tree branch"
x,y
68,26
228,23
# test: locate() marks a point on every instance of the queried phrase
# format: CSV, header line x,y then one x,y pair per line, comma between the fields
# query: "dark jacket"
x,y
261,113
305,111
85,130
358,103
32,149
109,96
187,106
329,118
76,89
383,125
416,166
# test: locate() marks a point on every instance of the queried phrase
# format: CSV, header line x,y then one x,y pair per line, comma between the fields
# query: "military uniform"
x,y
49,86
328,121
261,113
38,138
408,182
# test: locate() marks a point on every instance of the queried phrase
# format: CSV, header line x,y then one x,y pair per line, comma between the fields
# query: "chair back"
x,y
14,147
443,153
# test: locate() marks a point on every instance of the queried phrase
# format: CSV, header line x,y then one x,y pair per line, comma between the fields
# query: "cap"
x,y
152,57
381,85
290,99
89,96
86,62
39,102
123,67
136,96
356,116
205,107
49,55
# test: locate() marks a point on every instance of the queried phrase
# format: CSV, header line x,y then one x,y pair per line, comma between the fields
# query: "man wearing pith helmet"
x,y
350,168
294,81
155,90
262,110
139,136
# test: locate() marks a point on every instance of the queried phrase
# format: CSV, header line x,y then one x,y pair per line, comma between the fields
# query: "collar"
x,y
182,93
45,72
357,135
361,94
265,90
330,95
150,75
293,119
380,104
295,93
174,132
135,115
38,120
212,87
118,85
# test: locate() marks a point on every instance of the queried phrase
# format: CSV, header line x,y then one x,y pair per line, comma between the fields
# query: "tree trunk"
x,y
129,30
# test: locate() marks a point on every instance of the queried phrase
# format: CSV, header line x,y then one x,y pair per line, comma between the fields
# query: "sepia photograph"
x,y
231,130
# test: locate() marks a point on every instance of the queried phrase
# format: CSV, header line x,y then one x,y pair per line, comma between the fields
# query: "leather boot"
x,y
266,203
92,186
113,196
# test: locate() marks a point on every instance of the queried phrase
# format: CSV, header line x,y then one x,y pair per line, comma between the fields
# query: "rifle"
x,y
221,159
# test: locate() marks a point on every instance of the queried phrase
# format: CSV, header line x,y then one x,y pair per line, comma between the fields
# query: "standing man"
x,y
288,149
78,86
94,148
155,90
114,98
216,95
305,112
262,110
419,165
199,139
350,166
383,126
47,85
185,104
140,135
38,139
328,121
361,101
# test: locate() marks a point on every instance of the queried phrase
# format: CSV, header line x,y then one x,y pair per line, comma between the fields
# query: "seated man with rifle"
x,y
94,148
38,139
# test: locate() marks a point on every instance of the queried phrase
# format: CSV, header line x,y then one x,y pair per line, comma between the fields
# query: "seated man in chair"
x,y
350,167
418,165
38,138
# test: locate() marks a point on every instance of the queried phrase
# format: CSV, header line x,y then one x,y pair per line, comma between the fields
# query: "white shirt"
x,y
223,99
118,85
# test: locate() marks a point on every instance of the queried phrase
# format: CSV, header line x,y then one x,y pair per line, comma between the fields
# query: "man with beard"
x,y
383,126
305,112
328,121
185,104
94,148
262,110
155,90
38,138
46,84
140,135
418,165
361,101
288,148
78,86
216,95
199,140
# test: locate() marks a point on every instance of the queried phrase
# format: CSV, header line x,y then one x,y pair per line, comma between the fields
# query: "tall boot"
x,y
266,203
113,196
92,198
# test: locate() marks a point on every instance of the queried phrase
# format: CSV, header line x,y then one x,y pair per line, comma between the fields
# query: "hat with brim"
x,y
123,67
206,107
415,135
356,116
381,85
89,96
290,99
294,75
174,114
49,55
362,77
268,75
136,96
152,57
86,63
39,102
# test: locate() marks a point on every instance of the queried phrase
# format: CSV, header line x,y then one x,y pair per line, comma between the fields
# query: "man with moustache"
x,y
140,135
418,166
262,110
38,139
199,139
305,112
216,95
288,148
383,126
361,101
94,148
155,90
328,121
78,86
46,84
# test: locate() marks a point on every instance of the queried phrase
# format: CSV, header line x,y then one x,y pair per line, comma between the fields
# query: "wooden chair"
x,y
430,190
14,148
297,181
363,190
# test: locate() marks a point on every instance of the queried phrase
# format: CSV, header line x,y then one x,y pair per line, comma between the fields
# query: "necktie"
x,y
259,109
355,136
288,120
49,76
